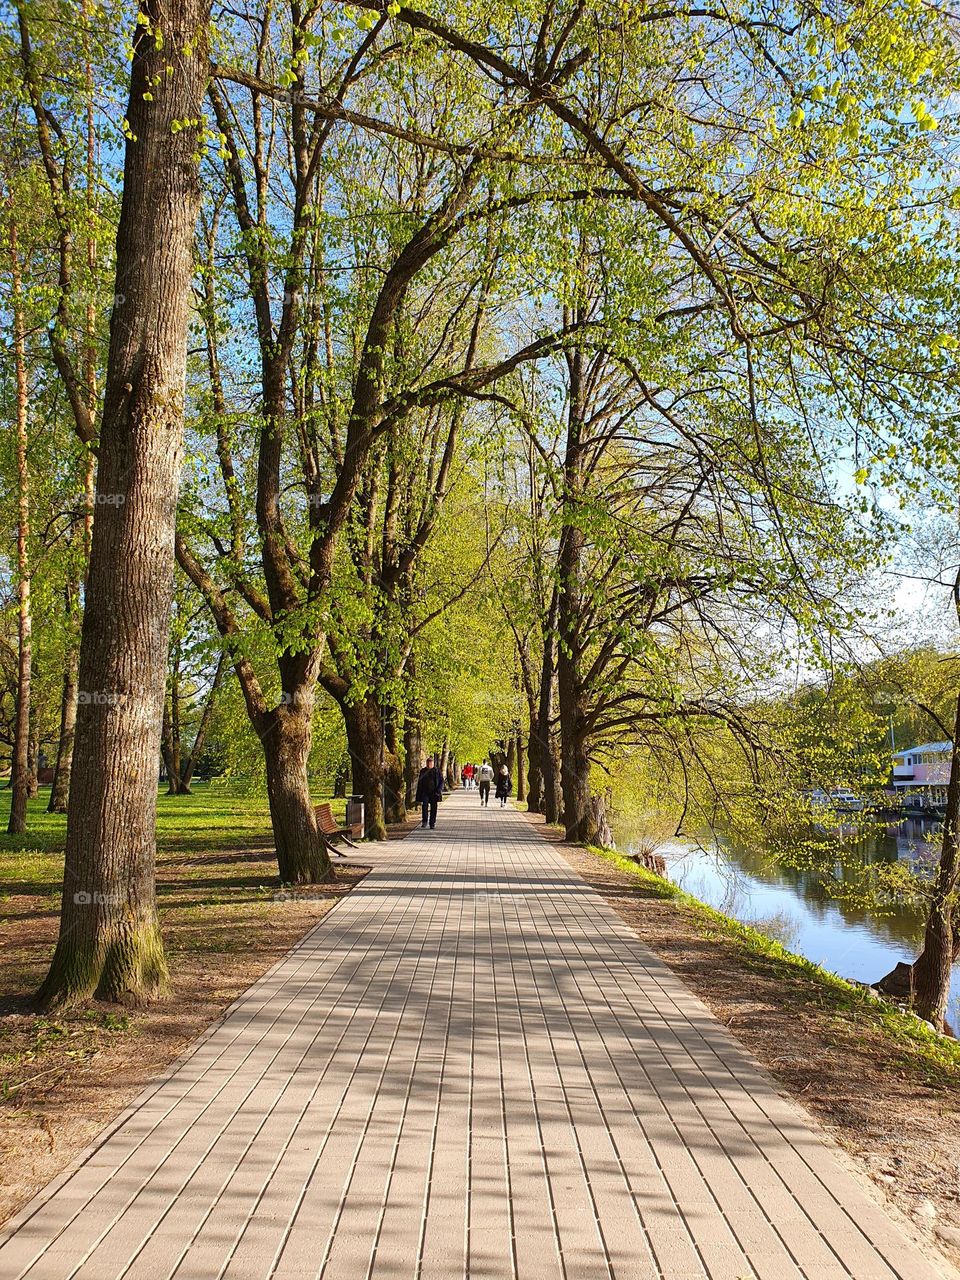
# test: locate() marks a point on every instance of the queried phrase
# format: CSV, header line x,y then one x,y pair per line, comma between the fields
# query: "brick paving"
x,y
471,1068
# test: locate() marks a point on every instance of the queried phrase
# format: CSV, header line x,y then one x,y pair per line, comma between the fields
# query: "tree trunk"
x,y
600,816
535,796
365,740
173,782
393,779
68,720
574,762
166,740
20,765
110,942
933,967
186,772
544,736
301,855
340,781
578,817
521,770
33,765
412,757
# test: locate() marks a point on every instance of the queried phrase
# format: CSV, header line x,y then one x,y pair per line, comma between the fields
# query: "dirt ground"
x,y
894,1115
64,1077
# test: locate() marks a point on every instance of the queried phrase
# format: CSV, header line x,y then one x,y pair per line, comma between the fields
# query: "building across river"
x,y
921,775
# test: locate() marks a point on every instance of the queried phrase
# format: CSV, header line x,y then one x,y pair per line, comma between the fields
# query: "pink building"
x,y
922,773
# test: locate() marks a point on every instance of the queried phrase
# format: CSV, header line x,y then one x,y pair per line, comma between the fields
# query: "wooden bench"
x,y
331,831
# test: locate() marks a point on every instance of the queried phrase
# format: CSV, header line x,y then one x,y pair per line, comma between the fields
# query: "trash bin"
x,y
355,816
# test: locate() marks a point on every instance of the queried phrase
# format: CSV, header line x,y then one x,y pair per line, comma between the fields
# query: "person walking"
x,y
429,791
503,786
484,778
467,776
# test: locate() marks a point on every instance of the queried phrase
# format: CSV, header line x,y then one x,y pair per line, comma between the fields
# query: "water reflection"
x,y
797,908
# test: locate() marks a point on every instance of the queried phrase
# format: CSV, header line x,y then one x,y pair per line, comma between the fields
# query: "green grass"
x,y
220,816
940,1055
216,806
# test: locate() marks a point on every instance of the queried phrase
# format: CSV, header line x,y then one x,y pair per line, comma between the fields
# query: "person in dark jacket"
x,y
429,791
503,786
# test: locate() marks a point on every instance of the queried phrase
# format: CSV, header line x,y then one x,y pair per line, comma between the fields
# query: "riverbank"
x,y
884,1088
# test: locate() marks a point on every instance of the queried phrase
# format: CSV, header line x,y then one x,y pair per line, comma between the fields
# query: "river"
x,y
797,909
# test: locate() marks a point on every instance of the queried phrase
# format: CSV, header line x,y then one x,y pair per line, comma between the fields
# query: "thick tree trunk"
x,y
546,748
575,763
393,780
521,769
301,855
535,797
110,942
20,765
365,740
412,757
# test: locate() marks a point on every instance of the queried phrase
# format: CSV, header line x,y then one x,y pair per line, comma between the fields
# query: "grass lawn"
x,y
63,1077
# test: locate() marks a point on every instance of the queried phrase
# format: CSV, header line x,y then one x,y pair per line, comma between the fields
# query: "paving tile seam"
x,y
179,1099
522,1090
164,1078
370,1115
764,1086
321,1079
438,1067
541,1145
124,1132
602,1042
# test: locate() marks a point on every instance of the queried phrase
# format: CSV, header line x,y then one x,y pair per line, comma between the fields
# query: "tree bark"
x,y
173,780
20,765
340,781
365,740
412,756
68,720
166,740
544,735
393,777
578,817
301,855
110,943
535,796
521,769
190,764
33,766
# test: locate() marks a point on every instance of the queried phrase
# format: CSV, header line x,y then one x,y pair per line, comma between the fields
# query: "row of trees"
x,y
472,371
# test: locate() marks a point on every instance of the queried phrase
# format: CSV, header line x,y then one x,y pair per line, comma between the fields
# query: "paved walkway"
x,y
472,1067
